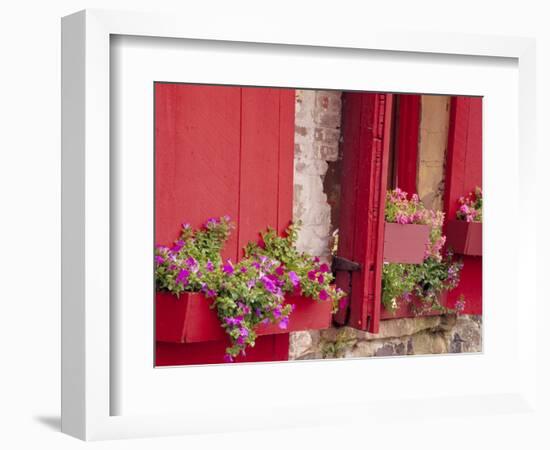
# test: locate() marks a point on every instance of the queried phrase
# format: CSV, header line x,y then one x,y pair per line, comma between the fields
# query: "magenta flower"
x,y
343,303
256,265
228,358
323,295
178,245
277,281
280,271
159,260
321,279
244,269
183,275
209,266
277,312
269,285
228,267
233,321
283,324
294,279
312,275
244,308
324,268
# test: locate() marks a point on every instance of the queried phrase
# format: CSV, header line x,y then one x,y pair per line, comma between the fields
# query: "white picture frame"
x,y
88,387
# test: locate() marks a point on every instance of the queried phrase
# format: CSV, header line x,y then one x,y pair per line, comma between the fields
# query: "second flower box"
x,y
405,243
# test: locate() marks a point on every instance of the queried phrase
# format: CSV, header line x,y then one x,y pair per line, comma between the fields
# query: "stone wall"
x,y
416,336
317,166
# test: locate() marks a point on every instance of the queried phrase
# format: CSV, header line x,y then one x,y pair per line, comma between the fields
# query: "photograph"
x,y
303,224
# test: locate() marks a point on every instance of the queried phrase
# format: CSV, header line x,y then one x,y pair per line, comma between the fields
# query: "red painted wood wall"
x,y
463,174
223,150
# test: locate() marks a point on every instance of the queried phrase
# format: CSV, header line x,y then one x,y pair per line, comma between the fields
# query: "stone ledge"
x,y
414,336
395,328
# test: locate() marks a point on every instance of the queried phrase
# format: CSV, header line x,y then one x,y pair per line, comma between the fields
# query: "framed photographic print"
x,y
248,219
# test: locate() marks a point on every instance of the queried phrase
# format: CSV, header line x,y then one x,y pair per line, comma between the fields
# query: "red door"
x,y
222,150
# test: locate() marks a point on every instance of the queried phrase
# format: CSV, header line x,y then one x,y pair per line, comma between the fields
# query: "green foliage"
x,y
344,340
406,282
315,277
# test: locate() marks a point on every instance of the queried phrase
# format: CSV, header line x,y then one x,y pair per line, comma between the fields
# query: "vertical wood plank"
x,y
259,172
197,145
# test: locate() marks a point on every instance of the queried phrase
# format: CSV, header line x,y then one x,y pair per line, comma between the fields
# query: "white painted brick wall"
x,y
317,134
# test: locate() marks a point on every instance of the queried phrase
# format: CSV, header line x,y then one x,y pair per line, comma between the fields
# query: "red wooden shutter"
x,y
223,150
366,140
464,173
406,142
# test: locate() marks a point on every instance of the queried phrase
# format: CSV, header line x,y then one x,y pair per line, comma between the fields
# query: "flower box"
x,y
407,309
405,243
190,318
465,238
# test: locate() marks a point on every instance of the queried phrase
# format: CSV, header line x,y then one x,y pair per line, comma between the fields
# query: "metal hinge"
x,y
340,264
